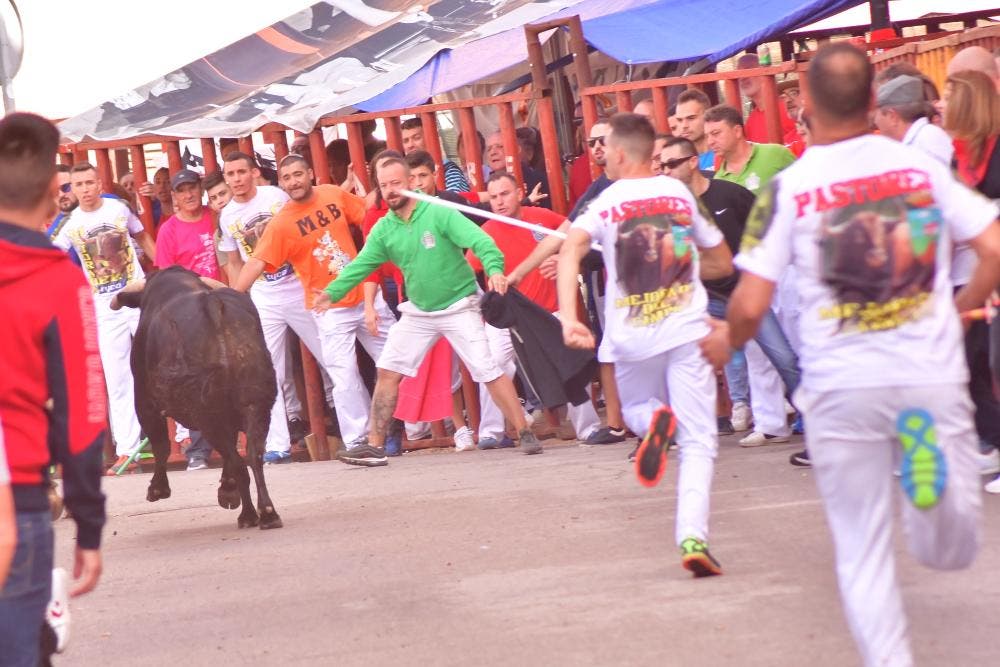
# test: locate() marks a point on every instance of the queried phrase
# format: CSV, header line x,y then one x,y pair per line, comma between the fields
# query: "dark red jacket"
x,y
53,404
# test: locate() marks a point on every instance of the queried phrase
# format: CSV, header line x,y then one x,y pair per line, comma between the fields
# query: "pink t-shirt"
x,y
188,244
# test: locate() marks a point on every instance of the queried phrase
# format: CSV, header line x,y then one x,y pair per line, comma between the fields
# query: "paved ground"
x,y
501,559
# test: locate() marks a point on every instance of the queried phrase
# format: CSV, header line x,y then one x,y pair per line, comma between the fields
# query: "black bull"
x,y
199,356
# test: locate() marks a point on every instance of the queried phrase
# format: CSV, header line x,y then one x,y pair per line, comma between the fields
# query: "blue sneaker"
x,y
277,457
492,443
924,468
393,445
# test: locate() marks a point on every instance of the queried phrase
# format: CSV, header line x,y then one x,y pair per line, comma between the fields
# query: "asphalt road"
x,y
495,558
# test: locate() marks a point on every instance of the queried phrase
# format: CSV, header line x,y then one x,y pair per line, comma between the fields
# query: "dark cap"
x,y
900,91
184,176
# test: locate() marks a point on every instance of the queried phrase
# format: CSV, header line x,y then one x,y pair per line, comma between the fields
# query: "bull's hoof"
x,y
247,519
270,520
229,496
155,493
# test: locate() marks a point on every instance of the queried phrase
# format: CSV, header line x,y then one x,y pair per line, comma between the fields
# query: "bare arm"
x,y
575,333
716,262
8,531
248,274
546,247
371,315
145,242
234,264
987,274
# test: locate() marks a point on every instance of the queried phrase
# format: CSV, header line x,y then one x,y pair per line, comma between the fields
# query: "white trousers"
x,y
339,328
767,393
293,405
683,379
584,417
854,449
115,330
276,318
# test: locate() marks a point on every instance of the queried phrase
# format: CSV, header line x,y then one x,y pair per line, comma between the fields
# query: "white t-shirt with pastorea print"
x,y
869,226
241,225
654,301
103,240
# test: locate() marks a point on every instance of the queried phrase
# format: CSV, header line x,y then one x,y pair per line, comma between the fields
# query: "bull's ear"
x,y
214,284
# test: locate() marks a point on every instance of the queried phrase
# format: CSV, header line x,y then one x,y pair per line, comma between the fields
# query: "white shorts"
x,y
416,331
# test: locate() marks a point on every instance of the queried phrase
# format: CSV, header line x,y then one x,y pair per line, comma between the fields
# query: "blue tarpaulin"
x,y
631,31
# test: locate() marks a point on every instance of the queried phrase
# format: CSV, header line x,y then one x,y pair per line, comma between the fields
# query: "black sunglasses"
x,y
65,187
676,162
594,141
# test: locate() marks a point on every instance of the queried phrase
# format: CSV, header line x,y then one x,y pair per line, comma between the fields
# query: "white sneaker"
x,y
993,487
741,417
57,613
756,439
463,439
989,464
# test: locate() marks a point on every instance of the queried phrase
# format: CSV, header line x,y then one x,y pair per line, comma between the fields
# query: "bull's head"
x,y
131,295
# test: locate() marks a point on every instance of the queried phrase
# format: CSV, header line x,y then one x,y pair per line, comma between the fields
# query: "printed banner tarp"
x,y
323,59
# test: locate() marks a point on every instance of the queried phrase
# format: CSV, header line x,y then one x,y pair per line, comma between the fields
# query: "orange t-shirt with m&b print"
x,y
313,236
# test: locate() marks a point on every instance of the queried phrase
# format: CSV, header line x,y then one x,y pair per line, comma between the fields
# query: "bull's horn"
x,y
137,286
214,284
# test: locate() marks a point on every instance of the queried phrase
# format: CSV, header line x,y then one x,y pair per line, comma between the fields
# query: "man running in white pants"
x,y
277,294
101,230
657,246
425,242
869,225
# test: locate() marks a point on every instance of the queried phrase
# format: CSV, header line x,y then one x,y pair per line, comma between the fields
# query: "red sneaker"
x,y
651,459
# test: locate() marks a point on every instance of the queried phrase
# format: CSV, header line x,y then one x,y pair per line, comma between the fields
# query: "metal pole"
x,y
5,82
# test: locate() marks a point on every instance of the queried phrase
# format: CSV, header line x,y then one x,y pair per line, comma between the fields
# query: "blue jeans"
x,y
26,593
773,343
199,447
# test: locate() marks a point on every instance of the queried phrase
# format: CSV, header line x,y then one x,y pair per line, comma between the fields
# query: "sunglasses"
x,y
676,162
64,188
594,141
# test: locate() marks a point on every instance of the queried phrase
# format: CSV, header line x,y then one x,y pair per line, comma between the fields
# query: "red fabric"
x,y
755,127
516,244
427,397
387,270
580,178
972,176
471,197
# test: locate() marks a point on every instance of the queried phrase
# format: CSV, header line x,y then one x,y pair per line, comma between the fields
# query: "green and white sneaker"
x,y
924,469
696,558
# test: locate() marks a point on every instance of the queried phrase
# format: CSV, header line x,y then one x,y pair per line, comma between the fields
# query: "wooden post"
x,y
173,151
584,77
208,155
246,145
280,142
661,110
320,165
80,154
731,92
104,169
772,113
432,142
546,115
315,401
140,178
356,147
623,98
394,133
512,158
66,157
470,146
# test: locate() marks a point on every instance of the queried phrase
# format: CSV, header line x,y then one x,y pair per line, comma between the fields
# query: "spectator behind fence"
x,y
52,405
127,181
535,181
902,113
691,107
977,59
751,165
413,140
159,190
529,141
756,123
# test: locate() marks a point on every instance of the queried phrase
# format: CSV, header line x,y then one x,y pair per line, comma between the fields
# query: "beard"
x,y
397,203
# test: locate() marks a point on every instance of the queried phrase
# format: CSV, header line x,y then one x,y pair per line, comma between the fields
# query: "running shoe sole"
x,y
696,558
924,470
651,459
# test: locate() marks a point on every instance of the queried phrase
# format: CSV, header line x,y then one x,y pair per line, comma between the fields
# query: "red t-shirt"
x,y
188,244
516,244
755,127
